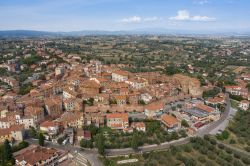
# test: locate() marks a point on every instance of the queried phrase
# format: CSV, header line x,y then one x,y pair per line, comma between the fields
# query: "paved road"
x,y
137,116
127,151
213,127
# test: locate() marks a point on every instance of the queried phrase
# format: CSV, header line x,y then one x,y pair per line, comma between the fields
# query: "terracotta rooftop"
x,y
53,101
205,108
32,111
138,124
48,124
121,72
120,97
90,84
233,87
155,106
36,154
123,116
244,101
168,119
215,100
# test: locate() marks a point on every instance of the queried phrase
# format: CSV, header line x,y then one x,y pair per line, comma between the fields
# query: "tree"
x,y
141,102
135,141
211,93
91,101
7,151
60,140
86,143
31,60
32,132
225,134
100,143
92,128
248,86
41,139
171,70
20,146
24,89
184,123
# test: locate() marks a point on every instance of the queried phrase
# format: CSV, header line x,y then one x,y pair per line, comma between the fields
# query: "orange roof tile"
x,y
121,72
48,124
123,116
155,106
205,108
168,119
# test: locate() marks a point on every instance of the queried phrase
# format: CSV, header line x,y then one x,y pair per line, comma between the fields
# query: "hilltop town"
x,y
101,93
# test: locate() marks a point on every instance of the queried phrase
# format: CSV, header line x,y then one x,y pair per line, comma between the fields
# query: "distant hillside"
x,y
25,33
154,31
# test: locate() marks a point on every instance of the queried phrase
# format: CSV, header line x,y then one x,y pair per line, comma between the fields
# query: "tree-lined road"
x,y
147,148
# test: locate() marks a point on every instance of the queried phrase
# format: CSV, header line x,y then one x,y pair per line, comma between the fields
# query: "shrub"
x,y
245,160
206,137
20,146
237,155
184,123
247,148
187,148
174,150
229,151
225,134
145,155
86,143
202,159
60,140
213,142
220,161
237,163
220,146
228,158
211,155
232,141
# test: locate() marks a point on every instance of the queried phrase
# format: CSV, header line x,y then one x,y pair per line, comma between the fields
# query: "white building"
x,y
120,76
244,105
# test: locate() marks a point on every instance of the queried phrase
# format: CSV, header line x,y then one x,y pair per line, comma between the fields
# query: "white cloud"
x,y
201,2
181,15
132,19
184,15
152,19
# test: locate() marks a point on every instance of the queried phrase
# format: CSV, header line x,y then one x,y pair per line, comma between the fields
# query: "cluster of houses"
x,y
241,90
37,155
73,95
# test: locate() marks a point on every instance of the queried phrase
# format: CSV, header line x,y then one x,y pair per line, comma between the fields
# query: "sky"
x,y
114,15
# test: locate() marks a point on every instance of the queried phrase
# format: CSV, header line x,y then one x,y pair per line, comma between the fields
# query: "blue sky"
x,y
74,15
